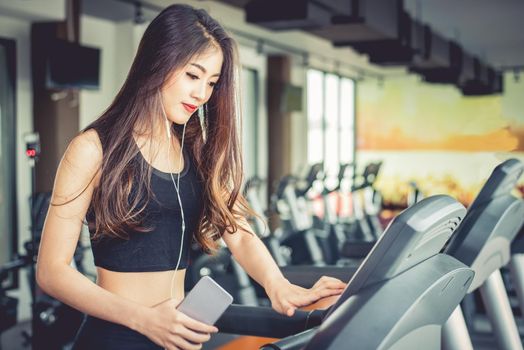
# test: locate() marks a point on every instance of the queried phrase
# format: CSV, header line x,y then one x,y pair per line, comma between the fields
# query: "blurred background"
x,y
413,98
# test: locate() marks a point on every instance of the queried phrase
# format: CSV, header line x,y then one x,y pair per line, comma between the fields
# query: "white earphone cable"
x,y
177,189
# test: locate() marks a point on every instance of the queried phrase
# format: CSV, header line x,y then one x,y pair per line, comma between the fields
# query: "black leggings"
x,y
98,334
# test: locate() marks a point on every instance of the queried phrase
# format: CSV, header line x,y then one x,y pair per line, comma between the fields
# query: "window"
x,y
347,121
331,117
8,227
315,139
249,94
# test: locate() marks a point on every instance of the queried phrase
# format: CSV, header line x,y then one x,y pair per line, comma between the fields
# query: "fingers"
x,y
324,293
291,311
330,282
172,347
196,325
286,308
311,296
327,293
328,288
189,334
192,336
181,343
287,301
175,330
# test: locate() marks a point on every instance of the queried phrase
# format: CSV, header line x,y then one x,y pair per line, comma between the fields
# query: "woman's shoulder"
x,y
79,166
87,143
85,150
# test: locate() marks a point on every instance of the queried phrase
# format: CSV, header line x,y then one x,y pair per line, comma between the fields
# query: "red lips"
x,y
190,108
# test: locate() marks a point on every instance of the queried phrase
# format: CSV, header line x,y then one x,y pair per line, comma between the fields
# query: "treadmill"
x,y
483,242
399,298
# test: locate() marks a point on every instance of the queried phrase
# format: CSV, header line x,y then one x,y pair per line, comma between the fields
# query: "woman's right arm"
x,y
79,170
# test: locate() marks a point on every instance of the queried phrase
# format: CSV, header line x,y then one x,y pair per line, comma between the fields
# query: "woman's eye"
x,y
192,76
213,83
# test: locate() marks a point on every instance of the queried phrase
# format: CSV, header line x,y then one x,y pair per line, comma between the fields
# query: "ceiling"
x,y
115,10
490,30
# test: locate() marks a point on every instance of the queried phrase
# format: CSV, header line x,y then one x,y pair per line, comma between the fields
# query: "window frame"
x,y
12,281
324,121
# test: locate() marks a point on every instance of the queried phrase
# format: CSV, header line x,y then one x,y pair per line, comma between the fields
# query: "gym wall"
x,y
118,42
19,30
432,135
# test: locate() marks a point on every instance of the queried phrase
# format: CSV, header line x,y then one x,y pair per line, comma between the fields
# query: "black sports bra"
x,y
158,249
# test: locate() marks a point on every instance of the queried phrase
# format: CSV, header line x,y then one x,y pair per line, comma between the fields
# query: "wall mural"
x,y
433,136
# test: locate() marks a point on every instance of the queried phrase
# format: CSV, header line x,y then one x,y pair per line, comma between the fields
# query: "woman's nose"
x,y
199,92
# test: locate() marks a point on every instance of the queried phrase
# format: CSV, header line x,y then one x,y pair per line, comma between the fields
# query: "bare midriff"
x,y
145,288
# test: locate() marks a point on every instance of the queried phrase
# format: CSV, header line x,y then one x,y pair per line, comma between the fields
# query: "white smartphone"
x,y
206,302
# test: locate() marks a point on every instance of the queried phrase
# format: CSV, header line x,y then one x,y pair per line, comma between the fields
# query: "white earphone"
x,y
177,187
168,126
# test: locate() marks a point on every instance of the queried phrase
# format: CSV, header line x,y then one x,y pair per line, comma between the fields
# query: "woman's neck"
x,y
156,137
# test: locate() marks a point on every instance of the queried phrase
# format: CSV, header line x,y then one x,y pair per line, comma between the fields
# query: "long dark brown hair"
x,y
176,35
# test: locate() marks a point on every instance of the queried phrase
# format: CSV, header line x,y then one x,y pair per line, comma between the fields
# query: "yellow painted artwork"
x,y
431,135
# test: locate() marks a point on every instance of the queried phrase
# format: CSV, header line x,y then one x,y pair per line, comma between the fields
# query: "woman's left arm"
x,y
253,256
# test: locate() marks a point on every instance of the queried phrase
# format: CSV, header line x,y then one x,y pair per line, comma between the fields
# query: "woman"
x,y
160,167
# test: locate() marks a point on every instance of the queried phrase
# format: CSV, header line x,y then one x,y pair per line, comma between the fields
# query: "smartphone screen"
x,y
206,302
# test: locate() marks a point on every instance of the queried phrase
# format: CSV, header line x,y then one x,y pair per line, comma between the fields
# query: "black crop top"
x,y
158,249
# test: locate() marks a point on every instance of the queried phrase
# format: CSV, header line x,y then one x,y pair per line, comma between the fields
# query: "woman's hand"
x,y
170,328
286,297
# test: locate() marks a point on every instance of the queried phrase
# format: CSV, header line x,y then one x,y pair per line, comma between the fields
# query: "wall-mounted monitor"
x,y
291,98
70,65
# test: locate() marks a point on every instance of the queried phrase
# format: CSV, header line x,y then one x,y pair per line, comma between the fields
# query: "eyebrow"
x,y
203,69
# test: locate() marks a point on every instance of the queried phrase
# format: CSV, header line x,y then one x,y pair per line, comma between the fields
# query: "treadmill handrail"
x,y
266,322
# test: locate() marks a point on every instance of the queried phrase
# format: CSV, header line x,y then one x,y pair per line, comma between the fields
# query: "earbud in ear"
x,y
168,129
202,119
